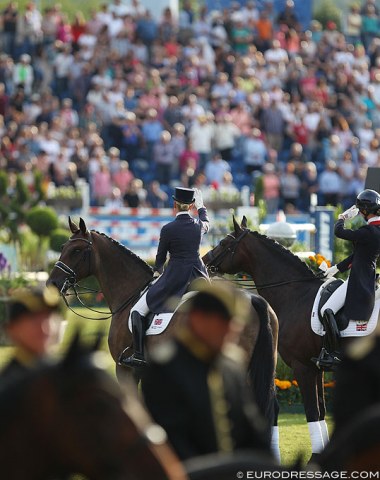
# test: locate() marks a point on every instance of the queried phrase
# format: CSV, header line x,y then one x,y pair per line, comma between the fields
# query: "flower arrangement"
x,y
64,197
288,392
314,262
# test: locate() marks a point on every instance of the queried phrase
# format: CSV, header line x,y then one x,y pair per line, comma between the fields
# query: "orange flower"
x,y
295,383
282,384
330,384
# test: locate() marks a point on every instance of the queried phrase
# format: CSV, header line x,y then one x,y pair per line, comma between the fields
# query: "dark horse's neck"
x,y
121,274
269,263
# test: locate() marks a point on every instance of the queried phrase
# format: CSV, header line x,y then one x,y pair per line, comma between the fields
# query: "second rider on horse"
x,y
181,239
357,293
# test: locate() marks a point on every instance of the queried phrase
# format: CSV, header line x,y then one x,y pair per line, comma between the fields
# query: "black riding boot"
x,y
329,357
138,336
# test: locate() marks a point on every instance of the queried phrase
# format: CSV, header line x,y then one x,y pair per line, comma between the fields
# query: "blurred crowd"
x,y
136,106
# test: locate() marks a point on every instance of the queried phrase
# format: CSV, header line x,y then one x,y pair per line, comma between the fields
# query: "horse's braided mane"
x,y
284,251
126,250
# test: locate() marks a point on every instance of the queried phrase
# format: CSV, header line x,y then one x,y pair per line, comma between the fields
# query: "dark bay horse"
x,y
122,275
70,417
290,287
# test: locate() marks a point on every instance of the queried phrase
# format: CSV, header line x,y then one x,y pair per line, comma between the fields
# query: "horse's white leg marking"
x,y
325,432
275,443
316,437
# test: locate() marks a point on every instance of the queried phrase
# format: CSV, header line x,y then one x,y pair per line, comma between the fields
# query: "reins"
x,y
213,265
276,284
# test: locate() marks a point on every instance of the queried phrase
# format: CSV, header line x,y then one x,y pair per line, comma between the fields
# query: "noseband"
x,y
216,260
71,278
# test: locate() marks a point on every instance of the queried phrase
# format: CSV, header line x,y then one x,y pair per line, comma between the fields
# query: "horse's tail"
x,y
261,368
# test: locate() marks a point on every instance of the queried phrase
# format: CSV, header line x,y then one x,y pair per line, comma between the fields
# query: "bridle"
x,y
72,283
71,279
216,260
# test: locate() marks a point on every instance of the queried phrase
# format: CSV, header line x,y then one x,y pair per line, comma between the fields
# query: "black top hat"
x,y
184,195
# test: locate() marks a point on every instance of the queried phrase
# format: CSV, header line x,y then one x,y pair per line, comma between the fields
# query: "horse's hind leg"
x,y
307,380
322,407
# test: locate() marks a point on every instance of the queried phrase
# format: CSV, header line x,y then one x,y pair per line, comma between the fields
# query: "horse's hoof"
x,y
314,459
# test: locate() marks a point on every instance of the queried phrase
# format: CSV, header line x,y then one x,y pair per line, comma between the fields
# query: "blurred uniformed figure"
x,y
197,394
357,380
29,326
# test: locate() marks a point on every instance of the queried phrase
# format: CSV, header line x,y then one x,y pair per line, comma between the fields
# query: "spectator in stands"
x,y
215,169
172,113
151,130
353,25
264,27
288,16
329,181
273,124
271,188
135,196
309,186
164,157
226,134
132,138
179,145
370,25
102,185
290,185
156,197
23,74
122,177
254,151
10,16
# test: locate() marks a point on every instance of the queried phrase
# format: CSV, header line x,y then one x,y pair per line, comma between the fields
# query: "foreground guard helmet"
x,y
368,201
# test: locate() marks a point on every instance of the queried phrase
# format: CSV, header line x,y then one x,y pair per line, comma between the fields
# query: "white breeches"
x,y
337,299
141,306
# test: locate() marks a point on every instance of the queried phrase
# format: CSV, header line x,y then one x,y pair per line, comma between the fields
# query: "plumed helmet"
x,y
368,201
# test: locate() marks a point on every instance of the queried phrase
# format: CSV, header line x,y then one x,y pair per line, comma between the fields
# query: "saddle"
x,y
325,295
355,328
158,322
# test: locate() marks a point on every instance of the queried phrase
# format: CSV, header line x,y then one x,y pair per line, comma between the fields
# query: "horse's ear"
x,y
82,226
74,351
73,227
244,222
236,225
97,342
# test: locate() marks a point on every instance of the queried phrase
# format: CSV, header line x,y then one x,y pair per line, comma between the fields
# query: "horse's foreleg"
x,y
275,442
322,407
307,381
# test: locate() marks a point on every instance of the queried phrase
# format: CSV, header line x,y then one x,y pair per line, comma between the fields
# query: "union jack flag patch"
x,y
158,321
361,326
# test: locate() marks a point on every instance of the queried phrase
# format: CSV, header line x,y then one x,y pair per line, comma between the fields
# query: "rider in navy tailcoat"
x,y
357,294
181,239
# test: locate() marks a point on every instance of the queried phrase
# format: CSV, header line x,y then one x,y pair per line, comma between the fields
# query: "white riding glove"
x,y
330,272
198,202
156,274
350,213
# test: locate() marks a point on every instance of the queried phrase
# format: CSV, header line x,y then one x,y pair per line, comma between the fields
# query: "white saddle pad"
x,y
356,328
161,321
